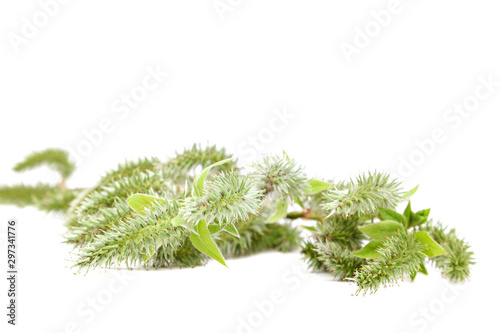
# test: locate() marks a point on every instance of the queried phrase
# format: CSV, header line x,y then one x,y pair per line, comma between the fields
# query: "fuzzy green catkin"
x,y
57,201
23,195
333,234
280,177
185,256
337,259
180,168
257,236
401,255
100,197
136,240
128,169
310,255
227,199
88,228
364,195
55,159
91,197
342,230
456,265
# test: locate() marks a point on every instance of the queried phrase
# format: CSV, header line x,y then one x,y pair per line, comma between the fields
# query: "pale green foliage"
x,y
202,240
140,201
364,195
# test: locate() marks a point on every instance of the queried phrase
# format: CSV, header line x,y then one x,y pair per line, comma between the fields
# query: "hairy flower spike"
x,y
103,196
55,159
337,259
136,240
42,196
178,169
257,236
227,199
23,195
280,177
130,168
400,256
308,250
88,228
456,265
364,195
342,230
151,213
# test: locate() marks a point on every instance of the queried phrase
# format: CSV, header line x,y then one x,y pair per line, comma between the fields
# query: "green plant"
x,y
152,213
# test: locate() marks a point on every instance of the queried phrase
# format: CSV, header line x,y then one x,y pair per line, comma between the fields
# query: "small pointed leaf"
x,y
140,201
369,251
381,230
281,211
386,214
215,228
200,179
420,217
433,248
423,270
203,241
311,229
177,221
411,192
231,229
316,186
407,213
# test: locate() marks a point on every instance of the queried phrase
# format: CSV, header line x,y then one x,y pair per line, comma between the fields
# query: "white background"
x,y
226,76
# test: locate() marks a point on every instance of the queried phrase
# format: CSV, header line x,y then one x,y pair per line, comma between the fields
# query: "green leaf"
x,y
381,230
311,229
386,214
203,241
411,192
298,202
407,214
422,270
420,217
281,211
433,248
231,229
424,213
369,251
177,221
140,201
200,179
215,228
316,186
